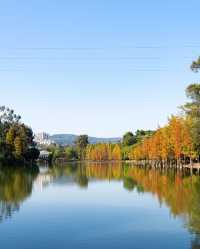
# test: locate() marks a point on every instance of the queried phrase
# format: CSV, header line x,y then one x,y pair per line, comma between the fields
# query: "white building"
x,y
43,138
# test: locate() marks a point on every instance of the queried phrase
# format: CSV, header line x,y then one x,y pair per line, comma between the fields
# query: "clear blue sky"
x,y
100,67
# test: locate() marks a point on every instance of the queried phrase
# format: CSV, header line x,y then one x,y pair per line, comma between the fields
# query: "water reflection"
x,y
15,186
174,189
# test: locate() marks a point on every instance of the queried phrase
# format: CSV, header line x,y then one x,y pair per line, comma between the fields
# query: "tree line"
x,y
179,141
16,139
82,150
176,143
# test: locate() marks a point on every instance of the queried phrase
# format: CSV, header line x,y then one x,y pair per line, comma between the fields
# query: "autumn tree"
x,y
169,143
116,153
10,136
18,147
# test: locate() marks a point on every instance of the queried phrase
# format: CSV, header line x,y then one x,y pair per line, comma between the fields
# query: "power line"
x,y
76,58
107,48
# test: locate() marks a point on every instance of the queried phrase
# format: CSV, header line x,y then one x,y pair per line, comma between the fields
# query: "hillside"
x,y
69,139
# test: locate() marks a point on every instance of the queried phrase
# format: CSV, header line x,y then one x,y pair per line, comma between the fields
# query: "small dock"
x,y
192,167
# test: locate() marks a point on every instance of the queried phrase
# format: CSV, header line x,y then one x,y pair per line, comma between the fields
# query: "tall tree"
x,y
18,147
116,153
81,144
16,139
10,136
192,108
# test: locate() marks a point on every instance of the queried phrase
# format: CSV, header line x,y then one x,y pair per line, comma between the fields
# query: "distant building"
x,y
43,139
44,155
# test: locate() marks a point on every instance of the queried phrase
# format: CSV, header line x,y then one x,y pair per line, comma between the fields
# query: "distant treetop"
x,y
7,115
196,65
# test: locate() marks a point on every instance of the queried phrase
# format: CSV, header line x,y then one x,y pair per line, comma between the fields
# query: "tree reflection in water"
x,y
15,186
177,190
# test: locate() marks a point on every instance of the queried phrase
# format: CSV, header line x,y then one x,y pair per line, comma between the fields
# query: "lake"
x,y
114,205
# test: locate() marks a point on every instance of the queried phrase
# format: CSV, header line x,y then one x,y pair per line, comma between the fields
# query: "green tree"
x,y
129,139
71,153
81,144
16,139
8,116
192,108
18,147
196,65
58,153
32,154
142,134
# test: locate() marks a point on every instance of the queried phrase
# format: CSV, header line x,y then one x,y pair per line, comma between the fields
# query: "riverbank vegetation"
x,y
82,150
178,142
16,140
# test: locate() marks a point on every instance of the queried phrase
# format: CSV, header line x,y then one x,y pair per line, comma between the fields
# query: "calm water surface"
x,y
99,206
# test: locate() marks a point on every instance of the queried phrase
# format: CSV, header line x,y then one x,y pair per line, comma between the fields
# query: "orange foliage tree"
x,y
172,142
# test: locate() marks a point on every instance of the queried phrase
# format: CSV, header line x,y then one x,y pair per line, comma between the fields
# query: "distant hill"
x,y
69,139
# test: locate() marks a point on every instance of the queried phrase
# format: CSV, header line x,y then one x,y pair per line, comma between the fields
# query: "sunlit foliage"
x,y
168,143
16,139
